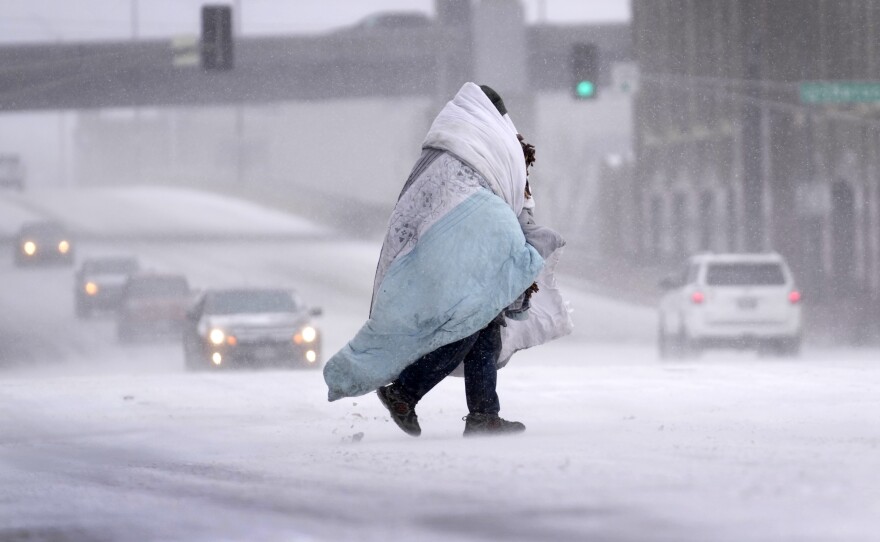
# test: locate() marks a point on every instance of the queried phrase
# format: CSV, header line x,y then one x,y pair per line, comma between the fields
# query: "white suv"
x,y
730,300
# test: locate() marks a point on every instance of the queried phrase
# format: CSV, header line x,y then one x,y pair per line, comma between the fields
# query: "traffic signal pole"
x,y
219,30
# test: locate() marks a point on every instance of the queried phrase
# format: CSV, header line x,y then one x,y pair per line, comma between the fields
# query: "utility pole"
x,y
138,140
62,149
542,12
236,19
753,132
239,108
134,19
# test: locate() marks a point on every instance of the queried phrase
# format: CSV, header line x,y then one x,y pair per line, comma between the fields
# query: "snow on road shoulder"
x,y
153,211
604,319
12,215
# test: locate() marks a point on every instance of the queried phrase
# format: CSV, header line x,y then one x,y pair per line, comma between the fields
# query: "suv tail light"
x,y
794,297
697,298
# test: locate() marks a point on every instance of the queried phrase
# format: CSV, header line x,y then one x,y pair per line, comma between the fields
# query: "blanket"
x,y
464,260
454,254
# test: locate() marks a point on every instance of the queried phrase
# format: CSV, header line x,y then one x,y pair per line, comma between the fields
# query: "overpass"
x,y
353,62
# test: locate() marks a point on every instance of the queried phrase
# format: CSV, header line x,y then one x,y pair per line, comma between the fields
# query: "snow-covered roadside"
x,y
619,447
155,212
12,215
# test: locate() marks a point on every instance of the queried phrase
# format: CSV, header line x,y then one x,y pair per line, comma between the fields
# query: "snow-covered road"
x,y
104,442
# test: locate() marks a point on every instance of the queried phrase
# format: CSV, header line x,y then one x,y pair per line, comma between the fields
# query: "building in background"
x,y
751,135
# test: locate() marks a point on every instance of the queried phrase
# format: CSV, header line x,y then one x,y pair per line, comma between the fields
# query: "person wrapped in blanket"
x,y
458,274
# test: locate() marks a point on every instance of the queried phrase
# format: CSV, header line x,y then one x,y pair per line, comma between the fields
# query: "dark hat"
x,y
495,99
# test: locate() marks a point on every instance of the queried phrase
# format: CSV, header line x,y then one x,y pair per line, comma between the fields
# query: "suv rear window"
x,y
745,274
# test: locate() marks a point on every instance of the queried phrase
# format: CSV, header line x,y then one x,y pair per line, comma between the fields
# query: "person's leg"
x,y
426,372
480,380
481,371
400,397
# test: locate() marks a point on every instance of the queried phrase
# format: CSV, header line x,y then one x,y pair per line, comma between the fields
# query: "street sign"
x,y
625,77
185,51
839,92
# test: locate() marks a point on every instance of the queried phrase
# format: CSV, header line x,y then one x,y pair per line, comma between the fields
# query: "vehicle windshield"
x,y
43,228
158,286
112,266
250,302
745,274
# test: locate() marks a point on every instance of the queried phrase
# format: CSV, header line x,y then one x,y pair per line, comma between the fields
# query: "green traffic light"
x,y
585,89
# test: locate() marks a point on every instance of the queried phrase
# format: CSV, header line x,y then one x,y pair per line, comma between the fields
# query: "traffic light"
x,y
584,71
216,37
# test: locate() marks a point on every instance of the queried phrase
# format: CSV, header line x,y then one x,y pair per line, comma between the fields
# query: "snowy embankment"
x,y
149,212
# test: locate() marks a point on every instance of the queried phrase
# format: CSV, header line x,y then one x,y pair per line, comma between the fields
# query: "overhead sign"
x,y
839,92
185,51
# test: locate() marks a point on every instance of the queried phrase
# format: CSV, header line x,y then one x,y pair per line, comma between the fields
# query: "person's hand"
x,y
528,151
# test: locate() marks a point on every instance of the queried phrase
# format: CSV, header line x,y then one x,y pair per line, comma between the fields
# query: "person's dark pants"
x,y
479,352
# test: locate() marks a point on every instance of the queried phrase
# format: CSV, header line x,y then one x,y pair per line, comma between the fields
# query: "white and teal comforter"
x,y
454,255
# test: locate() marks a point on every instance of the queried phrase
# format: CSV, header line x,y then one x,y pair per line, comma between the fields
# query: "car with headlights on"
x,y
237,327
43,242
99,283
730,300
152,305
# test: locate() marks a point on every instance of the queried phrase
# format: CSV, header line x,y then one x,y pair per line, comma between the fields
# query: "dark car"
x,y
44,242
152,305
251,327
99,283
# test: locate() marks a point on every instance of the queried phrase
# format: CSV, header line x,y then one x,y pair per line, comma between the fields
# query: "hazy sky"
x,y
67,20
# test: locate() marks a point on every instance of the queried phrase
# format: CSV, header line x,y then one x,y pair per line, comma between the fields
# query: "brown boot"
x,y
402,411
477,424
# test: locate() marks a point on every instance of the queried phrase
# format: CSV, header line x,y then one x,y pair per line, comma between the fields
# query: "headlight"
x,y
91,288
63,247
29,248
305,335
217,336
309,334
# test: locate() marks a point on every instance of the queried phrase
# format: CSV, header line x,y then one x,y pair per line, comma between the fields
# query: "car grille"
x,y
262,336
